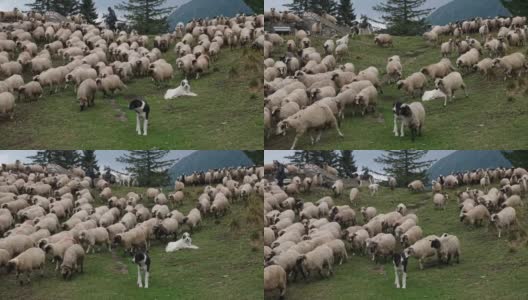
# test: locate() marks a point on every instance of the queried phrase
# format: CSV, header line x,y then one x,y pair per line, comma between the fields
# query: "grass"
x,y
226,266
488,119
222,116
490,268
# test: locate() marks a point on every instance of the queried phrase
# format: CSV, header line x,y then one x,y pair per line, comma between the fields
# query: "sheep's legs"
x,y
319,132
396,279
294,142
139,278
445,100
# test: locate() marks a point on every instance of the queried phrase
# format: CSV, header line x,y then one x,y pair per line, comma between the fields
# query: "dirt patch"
x,y
119,266
119,114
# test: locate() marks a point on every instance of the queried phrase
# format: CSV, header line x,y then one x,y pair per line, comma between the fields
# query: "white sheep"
x,y
73,261
447,247
7,104
440,199
450,84
504,219
422,249
416,81
27,261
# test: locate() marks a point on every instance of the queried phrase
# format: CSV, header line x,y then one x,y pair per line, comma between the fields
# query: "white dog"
x,y
184,243
431,95
183,90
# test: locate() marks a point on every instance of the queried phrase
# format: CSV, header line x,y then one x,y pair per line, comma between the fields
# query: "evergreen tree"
x,y
314,157
345,12
516,7
64,158
147,16
320,6
41,158
297,6
405,165
110,19
518,158
63,7
149,165
89,161
87,9
346,165
40,6
404,17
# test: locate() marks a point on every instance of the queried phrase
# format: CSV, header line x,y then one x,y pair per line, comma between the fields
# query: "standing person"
x,y
281,172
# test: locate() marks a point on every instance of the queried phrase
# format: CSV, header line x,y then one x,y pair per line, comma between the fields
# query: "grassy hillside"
x,y
227,265
489,268
227,97
488,119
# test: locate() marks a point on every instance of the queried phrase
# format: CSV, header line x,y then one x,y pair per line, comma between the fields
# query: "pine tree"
x,y
149,165
87,9
518,158
345,12
516,7
40,6
404,17
41,158
88,161
314,157
405,165
64,158
147,16
320,6
346,165
297,6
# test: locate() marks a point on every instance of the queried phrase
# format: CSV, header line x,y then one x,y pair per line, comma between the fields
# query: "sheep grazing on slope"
x,y
449,84
504,219
26,262
447,247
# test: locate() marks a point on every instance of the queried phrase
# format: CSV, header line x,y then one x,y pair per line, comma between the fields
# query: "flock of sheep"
x,y
310,238
93,58
57,215
307,90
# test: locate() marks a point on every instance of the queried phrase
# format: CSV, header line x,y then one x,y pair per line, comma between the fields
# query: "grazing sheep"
x,y
354,195
514,62
416,81
27,261
193,219
275,278
447,246
7,104
416,185
337,187
110,83
440,199
485,67
383,39
382,245
476,216
422,249
513,200
317,260
94,236
468,59
16,244
439,69
368,213
411,236
449,84
411,116
73,261
367,98
86,93
339,250
394,68
504,219
31,90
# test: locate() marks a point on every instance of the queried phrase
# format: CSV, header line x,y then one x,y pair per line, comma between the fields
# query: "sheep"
x,y
339,250
86,93
57,249
193,219
468,59
358,240
485,67
383,39
449,84
317,260
513,200
329,46
394,68
403,227
382,244
337,188
27,261
411,116
73,261
447,47
309,211
447,246
374,226
410,236
14,82
514,62
440,199
134,238
439,69
368,213
110,83
220,205
416,81
162,71
114,230
7,104
94,236
16,244
31,90
354,195
40,64
79,75
313,117
366,98
275,278
431,37
475,216
416,185
422,249
504,219
11,68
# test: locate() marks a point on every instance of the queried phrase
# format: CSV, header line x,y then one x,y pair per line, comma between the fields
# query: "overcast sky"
x,y
362,157
361,6
104,157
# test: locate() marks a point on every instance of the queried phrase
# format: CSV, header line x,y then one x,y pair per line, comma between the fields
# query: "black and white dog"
x,y
400,266
142,113
142,260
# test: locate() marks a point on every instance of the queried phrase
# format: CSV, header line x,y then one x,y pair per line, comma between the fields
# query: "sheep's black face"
x,y
435,244
10,267
405,111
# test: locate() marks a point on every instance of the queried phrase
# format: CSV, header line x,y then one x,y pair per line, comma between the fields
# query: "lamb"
x,y
416,185
468,59
193,219
383,39
422,249
110,83
275,278
73,261
27,261
94,236
354,195
394,68
411,116
440,199
337,187
416,81
514,62
439,69
7,104
475,216
447,246
86,93
366,98
504,219
317,260
315,116
449,84
383,244
410,236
